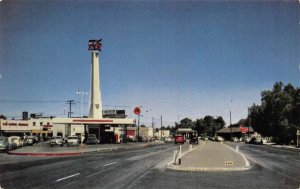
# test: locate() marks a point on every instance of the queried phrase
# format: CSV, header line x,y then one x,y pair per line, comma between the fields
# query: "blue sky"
x,y
179,59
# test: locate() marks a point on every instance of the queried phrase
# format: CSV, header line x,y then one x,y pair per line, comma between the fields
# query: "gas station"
x,y
108,130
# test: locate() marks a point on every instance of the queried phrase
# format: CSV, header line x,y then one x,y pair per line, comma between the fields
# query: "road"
x,y
145,168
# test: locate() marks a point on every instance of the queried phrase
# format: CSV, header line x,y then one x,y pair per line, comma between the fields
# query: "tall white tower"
x,y
95,101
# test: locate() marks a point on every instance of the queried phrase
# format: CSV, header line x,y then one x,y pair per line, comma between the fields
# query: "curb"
x,y
206,169
63,153
74,153
45,154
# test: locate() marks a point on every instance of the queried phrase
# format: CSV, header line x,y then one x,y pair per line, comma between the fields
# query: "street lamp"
x,y
81,93
148,117
230,121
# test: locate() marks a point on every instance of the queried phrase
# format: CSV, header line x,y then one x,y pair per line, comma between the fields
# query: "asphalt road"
x,y
145,168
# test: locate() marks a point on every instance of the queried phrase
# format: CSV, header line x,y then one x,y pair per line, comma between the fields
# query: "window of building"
x,y
33,123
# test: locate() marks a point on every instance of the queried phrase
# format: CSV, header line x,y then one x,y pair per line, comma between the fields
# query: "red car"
x,y
179,139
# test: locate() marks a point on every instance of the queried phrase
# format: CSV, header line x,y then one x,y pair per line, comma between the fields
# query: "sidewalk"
x,y
211,156
44,149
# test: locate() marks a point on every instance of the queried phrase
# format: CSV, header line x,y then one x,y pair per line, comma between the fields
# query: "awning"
x,y
40,132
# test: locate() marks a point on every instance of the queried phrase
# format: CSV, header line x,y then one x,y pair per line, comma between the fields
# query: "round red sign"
x,y
137,110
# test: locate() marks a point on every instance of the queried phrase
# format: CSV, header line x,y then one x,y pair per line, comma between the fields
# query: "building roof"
x,y
235,130
186,130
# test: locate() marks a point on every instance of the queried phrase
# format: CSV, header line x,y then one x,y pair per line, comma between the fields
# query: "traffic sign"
x,y
137,110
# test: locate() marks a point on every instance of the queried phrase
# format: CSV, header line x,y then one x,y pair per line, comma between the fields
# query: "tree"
x,y
278,114
186,123
3,117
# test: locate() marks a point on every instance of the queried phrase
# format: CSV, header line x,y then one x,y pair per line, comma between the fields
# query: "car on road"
x,y
92,139
219,139
179,139
194,139
4,145
73,141
57,140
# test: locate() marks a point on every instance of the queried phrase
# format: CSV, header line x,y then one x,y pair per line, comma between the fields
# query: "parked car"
x,y
168,139
194,139
4,145
219,139
247,139
256,140
144,139
92,139
151,139
73,141
235,139
131,139
15,141
179,139
29,141
57,140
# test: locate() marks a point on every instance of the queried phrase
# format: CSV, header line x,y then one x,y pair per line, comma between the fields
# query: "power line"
x,y
31,101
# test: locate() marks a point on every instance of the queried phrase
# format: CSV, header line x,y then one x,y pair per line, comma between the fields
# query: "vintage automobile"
x,y
57,140
194,139
73,141
92,139
15,141
179,139
29,141
4,145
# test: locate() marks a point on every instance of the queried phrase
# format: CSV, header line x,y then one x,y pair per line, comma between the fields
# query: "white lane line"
x,y
134,157
67,177
109,164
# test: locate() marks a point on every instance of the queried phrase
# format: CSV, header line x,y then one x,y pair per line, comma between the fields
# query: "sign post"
x,y
137,111
298,134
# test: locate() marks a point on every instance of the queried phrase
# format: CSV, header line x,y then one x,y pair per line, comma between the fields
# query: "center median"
x,y
211,157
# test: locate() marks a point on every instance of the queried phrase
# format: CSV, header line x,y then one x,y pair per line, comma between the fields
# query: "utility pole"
x,y
152,126
161,127
230,120
70,102
230,126
249,122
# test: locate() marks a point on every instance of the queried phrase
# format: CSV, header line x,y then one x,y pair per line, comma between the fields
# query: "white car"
x,y
219,139
57,140
168,139
72,141
16,140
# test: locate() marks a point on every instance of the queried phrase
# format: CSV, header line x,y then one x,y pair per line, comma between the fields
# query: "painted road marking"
x,y
67,177
134,157
228,162
109,164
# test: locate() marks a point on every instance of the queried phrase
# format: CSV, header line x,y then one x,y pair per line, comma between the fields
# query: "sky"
x,y
177,59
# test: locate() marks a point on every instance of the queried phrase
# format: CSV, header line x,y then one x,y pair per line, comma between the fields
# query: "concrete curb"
x,y
245,159
99,150
206,169
44,154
